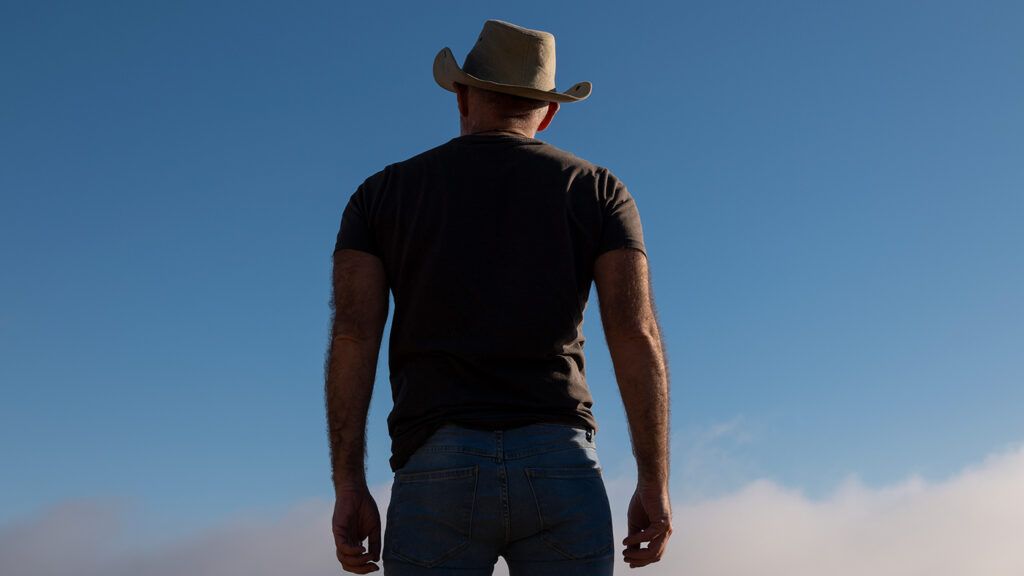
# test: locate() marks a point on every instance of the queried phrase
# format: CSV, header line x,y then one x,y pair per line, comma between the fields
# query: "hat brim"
x,y
447,72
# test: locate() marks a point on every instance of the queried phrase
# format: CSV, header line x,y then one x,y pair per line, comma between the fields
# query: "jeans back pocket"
x,y
574,511
430,517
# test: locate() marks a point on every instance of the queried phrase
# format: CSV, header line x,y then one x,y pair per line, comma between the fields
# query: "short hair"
x,y
510,106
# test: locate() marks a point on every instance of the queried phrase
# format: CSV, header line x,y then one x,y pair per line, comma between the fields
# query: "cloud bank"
x,y
968,525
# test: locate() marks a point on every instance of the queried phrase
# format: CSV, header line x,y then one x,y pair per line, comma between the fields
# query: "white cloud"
x,y
969,525
708,461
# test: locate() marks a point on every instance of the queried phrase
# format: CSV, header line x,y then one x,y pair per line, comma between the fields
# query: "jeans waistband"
x,y
510,443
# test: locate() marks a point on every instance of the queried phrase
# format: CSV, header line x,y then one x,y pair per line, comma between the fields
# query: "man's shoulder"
x,y
417,161
597,175
570,159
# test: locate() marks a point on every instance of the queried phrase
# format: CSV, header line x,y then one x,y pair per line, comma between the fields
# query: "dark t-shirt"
x,y
489,244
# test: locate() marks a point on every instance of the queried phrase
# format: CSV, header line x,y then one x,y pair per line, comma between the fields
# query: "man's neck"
x,y
498,130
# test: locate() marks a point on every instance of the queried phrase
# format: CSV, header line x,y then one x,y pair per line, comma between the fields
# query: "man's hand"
x,y
650,520
356,517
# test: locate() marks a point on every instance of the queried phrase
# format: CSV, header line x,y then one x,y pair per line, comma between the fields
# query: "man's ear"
x,y
462,95
552,109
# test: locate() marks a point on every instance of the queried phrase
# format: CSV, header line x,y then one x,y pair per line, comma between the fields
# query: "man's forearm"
x,y
351,367
642,375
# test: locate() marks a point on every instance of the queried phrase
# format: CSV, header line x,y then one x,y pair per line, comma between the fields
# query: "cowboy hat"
x,y
510,59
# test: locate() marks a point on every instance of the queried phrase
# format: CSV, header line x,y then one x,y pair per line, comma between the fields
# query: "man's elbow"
x,y
350,339
635,332
361,333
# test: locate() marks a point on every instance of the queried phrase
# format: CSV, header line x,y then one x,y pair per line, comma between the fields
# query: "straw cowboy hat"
x,y
510,59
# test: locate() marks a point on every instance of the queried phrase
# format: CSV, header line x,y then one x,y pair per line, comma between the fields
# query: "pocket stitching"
x,y
430,476
532,473
435,475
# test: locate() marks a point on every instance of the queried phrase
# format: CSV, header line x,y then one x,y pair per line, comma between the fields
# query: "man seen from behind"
x,y
489,245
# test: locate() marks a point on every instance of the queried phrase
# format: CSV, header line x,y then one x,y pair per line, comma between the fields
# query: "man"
x,y
489,244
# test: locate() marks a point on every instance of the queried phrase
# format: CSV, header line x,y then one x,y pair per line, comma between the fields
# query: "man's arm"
x,y
360,310
638,355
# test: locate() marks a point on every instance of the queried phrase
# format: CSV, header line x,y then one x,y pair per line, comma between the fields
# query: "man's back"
x,y
489,243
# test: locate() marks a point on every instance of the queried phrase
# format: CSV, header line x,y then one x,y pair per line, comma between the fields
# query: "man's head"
x,y
483,110
507,81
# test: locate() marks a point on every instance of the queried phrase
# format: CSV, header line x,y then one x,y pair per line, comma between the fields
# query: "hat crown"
x,y
508,54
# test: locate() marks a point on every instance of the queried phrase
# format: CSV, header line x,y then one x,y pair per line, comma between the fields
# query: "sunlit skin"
x,y
477,116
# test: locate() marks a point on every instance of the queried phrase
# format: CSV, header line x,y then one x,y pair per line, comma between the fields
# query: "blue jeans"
x,y
533,495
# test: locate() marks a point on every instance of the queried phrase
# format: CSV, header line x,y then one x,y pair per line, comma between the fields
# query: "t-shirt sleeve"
x,y
621,227
355,231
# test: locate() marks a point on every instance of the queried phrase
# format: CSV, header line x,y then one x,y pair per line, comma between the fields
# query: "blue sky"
x,y
832,197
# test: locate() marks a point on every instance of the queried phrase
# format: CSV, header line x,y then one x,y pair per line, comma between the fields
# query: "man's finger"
x,y
345,552
362,569
349,549
349,562
356,558
647,535
638,557
653,538
650,556
375,542
644,554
